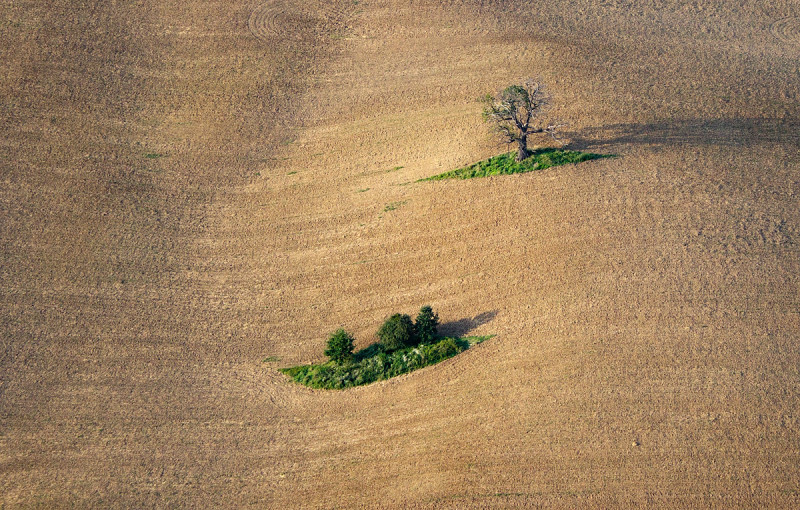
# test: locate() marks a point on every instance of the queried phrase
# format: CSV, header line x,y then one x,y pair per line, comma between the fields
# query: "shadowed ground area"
x,y
720,132
187,189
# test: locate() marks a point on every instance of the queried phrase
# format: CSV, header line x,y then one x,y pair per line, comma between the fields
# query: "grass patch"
x,y
154,155
374,364
505,164
270,359
394,205
394,169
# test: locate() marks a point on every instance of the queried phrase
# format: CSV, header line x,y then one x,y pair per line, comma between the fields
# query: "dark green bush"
x,y
427,323
447,348
340,347
397,332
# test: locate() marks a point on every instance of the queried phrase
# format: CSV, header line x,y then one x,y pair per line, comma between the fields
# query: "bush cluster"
x,y
405,345
398,331
380,366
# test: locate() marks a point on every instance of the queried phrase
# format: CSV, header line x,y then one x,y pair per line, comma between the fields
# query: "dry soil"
x,y
190,188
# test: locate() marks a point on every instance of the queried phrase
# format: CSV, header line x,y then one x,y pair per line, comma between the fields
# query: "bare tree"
x,y
515,112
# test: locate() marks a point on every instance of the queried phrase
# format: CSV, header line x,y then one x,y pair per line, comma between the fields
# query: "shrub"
x,y
447,348
427,323
397,332
340,346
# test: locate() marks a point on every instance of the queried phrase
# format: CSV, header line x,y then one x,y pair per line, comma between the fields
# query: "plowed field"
x,y
190,188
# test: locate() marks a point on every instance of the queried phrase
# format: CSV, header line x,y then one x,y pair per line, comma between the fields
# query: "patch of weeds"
x,y
154,155
394,205
292,173
270,359
506,164
475,340
288,141
363,190
395,169
258,174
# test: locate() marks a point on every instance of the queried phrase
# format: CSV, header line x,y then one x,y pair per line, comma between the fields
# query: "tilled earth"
x,y
190,188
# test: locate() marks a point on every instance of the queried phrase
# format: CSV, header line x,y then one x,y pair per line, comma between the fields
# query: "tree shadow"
x,y
721,132
463,326
367,352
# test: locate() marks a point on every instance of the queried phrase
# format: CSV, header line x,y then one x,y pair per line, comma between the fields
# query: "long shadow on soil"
x,y
724,132
367,352
461,327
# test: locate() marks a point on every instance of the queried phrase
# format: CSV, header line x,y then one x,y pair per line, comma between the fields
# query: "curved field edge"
x,y
506,164
373,364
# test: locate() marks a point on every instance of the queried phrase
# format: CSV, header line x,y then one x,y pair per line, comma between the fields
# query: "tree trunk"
x,y
523,152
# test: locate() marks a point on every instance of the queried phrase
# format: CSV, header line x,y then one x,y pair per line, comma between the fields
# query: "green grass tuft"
x,y
474,340
394,205
505,164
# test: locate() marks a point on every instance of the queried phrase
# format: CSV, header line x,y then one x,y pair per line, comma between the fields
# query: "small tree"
x,y
427,322
514,113
397,332
340,346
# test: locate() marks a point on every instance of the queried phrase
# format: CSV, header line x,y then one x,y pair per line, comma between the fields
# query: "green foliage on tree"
x,y
427,323
340,347
397,332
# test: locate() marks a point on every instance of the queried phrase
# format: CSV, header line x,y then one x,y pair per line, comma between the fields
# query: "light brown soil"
x,y
646,306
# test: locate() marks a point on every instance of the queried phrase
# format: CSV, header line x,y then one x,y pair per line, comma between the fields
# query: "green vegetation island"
x,y
404,346
506,164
